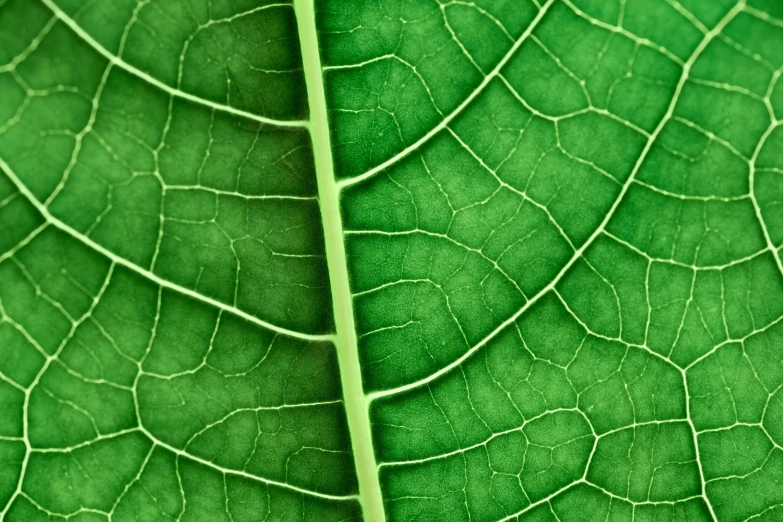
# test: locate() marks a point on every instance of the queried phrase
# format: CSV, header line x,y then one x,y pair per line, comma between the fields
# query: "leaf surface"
x,y
490,260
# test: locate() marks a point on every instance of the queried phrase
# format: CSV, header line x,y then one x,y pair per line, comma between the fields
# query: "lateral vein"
x,y
444,123
239,473
115,60
22,188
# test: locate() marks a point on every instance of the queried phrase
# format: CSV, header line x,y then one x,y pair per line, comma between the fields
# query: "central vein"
x,y
356,405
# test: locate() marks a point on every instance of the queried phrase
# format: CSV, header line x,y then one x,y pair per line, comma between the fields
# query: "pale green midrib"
x,y
356,405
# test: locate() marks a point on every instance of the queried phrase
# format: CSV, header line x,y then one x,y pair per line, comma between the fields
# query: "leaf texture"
x,y
391,260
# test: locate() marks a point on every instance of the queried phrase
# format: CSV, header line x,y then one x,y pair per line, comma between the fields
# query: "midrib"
x,y
356,405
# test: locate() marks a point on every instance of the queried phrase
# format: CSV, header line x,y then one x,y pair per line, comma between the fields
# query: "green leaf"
x,y
400,260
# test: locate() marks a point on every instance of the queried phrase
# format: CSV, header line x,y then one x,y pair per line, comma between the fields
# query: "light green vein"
x,y
462,106
115,60
22,188
356,406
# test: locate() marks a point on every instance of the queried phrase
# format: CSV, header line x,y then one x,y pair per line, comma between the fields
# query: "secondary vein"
x,y
115,60
49,218
448,119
